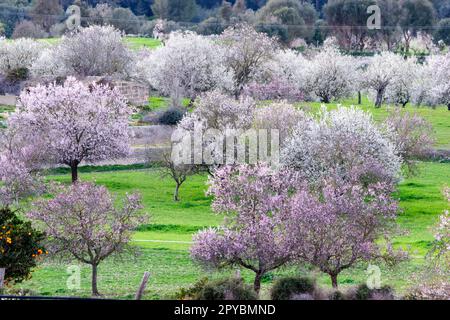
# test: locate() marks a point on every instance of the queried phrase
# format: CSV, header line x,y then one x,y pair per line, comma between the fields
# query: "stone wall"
x,y
136,93
8,100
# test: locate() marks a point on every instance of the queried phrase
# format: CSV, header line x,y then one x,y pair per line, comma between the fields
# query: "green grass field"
x,y
134,43
165,242
438,117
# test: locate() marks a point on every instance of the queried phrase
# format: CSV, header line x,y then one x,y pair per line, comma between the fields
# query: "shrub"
x,y
226,289
17,57
363,292
336,295
8,87
19,246
287,288
429,291
171,116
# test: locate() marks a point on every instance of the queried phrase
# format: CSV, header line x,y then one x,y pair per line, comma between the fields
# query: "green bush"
x,y
224,289
171,116
286,288
17,75
336,295
363,292
19,246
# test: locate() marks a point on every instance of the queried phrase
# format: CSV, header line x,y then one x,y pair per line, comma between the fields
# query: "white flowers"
x,y
187,65
381,72
344,143
18,54
330,75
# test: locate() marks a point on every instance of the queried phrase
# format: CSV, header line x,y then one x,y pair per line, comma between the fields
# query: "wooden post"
x,y
143,285
2,277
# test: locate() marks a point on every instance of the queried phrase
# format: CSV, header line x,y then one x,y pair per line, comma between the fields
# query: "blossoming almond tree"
x,y
245,49
380,73
82,221
17,57
412,135
344,142
330,75
400,90
215,115
91,51
339,226
22,154
281,116
77,122
186,66
439,92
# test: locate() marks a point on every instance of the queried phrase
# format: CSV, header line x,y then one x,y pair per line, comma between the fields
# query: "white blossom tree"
x,y
18,56
438,77
92,51
245,49
380,73
330,75
344,143
400,90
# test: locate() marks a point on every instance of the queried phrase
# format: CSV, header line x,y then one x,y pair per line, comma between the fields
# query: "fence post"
x,y
143,285
2,277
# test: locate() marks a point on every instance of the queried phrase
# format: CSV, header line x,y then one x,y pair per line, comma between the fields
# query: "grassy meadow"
x,y
164,243
134,43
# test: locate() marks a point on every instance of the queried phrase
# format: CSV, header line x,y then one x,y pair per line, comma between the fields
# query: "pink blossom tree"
x,y
77,122
339,226
82,221
412,135
253,199
21,156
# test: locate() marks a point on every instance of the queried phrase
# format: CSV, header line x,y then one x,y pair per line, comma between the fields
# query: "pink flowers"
x,y
273,218
77,122
83,221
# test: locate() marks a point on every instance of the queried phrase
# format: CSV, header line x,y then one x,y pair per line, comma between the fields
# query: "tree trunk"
x,y
2,277
359,97
257,282
325,100
448,107
334,281
94,280
379,99
74,169
176,193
